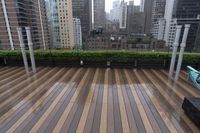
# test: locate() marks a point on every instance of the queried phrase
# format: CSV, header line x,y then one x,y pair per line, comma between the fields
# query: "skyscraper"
x,y
157,22
18,13
181,12
115,10
119,13
77,33
82,9
99,13
61,24
148,5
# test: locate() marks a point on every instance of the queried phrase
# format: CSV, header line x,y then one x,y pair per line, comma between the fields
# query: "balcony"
x,y
93,100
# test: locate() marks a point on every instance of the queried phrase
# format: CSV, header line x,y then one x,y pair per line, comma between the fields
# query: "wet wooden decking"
x,y
93,100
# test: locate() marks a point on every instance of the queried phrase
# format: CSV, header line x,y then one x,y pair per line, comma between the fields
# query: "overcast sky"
x,y
109,4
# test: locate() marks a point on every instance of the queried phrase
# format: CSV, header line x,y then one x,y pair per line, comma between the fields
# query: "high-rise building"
x,y
119,13
157,22
22,13
62,24
99,13
142,3
77,33
181,12
148,5
114,13
130,13
136,8
82,9
138,23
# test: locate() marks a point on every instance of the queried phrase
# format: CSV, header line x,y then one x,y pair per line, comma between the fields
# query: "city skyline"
x,y
108,4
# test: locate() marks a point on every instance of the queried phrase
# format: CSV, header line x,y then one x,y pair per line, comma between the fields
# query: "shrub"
x,y
98,56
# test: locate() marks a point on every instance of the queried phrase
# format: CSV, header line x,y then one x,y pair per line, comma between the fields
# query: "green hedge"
x,y
98,56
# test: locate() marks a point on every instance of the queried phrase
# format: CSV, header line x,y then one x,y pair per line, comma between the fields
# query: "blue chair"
x,y
194,76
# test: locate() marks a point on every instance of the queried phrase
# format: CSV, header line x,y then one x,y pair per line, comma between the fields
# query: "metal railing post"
x,y
30,45
175,47
183,45
19,30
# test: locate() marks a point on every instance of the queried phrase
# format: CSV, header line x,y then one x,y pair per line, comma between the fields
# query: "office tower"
x,y
142,3
82,9
123,15
18,13
157,23
181,12
148,5
130,13
114,13
99,13
138,23
119,13
77,33
62,24
136,8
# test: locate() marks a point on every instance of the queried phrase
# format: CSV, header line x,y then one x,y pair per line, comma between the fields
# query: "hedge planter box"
x,y
57,63
94,64
186,63
2,62
13,62
122,64
151,64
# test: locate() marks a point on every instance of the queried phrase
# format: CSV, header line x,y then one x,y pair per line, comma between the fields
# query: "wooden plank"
x,y
65,114
135,111
72,121
123,113
23,90
97,113
58,86
10,74
188,88
84,115
103,124
170,85
54,116
116,111
26,81
7,70
157,105
50,109
171,99
15,77
110,119
125,87
14,127
11,111
139,105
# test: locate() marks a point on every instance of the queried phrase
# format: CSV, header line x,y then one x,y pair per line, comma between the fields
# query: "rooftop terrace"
x,y
93,100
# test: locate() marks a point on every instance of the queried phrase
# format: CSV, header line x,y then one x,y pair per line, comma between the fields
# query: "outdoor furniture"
x,y
194,76
191,107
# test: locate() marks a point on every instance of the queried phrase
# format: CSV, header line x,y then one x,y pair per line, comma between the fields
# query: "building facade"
x,y
119,13
99,13
77,33
62,24
181,12
138,23
18,13
157,22
114,13
130,13
82,9
148,5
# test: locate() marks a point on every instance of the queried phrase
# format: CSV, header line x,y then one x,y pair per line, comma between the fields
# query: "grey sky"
x,y
109,4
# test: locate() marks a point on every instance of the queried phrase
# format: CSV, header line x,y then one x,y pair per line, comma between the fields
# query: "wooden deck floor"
x,y
93,100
